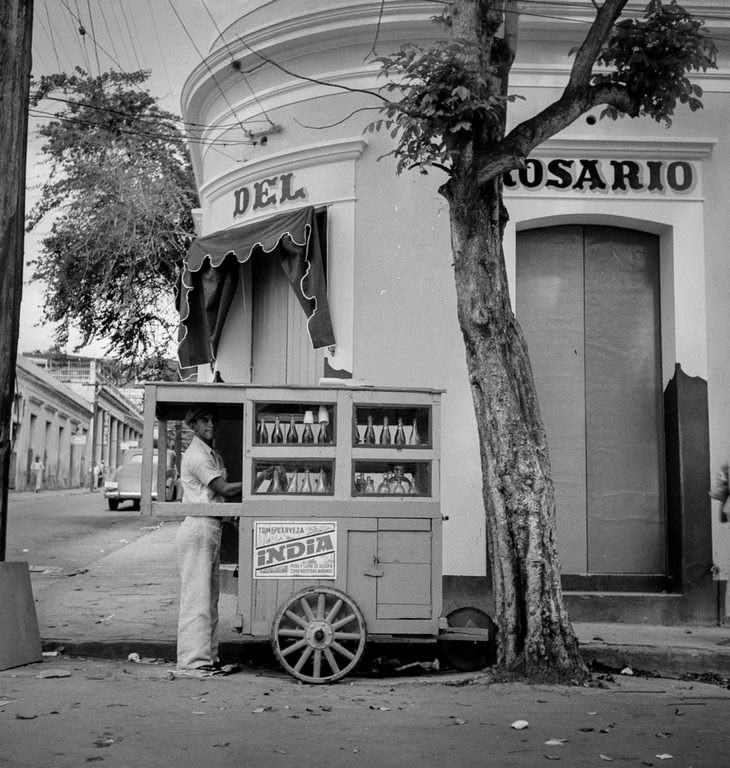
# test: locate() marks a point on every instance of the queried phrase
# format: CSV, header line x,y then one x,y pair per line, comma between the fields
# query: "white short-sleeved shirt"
x,y
200,465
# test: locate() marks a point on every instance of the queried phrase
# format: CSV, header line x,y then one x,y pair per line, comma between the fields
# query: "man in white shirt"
x,y
204,481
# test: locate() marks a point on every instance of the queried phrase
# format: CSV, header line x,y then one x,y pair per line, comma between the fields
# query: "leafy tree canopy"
x,y
452,96
118,197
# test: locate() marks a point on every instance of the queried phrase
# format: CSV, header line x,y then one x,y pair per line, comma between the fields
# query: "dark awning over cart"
x,y
211,273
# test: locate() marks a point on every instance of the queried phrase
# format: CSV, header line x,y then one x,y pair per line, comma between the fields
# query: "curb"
x,y
660,662
676,663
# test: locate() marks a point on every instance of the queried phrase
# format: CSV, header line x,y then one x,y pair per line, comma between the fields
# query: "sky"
x,y
167,37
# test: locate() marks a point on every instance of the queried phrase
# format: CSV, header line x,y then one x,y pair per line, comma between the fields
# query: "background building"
x,y
115,421
616,251
50,421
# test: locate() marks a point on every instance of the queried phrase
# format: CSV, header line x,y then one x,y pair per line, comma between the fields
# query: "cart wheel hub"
x,y
319,634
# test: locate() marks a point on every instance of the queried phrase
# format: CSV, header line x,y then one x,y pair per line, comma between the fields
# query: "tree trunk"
x,y
535,636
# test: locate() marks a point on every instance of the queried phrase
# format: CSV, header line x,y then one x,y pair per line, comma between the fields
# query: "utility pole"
x,y
16,26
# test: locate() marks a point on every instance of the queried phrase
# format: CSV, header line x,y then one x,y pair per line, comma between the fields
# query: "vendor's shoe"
x,y
199,673
227,669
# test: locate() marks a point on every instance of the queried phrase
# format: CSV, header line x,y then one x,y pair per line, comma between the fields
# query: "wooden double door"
x,y
587,298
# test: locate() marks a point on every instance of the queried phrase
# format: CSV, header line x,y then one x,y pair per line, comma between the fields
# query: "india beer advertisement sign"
x,y
294,550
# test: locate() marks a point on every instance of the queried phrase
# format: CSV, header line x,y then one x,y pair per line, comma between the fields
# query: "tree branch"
x,y
512,151
577,98
598,33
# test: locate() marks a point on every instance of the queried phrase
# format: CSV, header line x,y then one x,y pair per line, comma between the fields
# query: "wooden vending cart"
x,y
339,520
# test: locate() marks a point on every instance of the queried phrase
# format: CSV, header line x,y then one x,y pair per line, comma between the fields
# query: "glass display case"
x,y
392,426
298,424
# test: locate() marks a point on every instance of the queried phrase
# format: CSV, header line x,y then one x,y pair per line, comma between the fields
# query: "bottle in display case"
x,y
277,436
385,437
356,439
308,435
323,436
307,484
400,435
291,433
279,482
262,432
369,438
400,483
320,484
415,438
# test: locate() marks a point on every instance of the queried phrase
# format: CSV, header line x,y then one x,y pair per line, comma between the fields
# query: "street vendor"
x,y
204,481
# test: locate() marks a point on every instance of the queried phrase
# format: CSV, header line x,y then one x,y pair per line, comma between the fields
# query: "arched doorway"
x,y
588,301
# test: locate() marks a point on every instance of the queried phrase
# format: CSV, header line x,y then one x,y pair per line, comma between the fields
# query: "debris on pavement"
x,y
51,673
519,725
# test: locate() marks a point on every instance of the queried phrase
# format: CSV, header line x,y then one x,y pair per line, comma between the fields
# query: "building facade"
x,y
616,251
115,421
50,422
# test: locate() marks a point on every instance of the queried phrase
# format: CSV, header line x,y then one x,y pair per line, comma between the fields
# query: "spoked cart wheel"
x,y
319,635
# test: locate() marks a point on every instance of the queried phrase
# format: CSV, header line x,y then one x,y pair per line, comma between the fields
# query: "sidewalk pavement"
x,y
127,602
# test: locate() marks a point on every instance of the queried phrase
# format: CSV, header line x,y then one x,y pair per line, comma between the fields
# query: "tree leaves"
x,y
118,199
446,95
651,57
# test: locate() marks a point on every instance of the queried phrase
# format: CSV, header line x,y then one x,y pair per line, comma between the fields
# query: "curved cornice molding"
x,y
629,148
347,22
287,160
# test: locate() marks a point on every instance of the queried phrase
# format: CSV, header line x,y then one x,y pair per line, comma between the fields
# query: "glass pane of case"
x,y
289,477
294,423
390,426
383,478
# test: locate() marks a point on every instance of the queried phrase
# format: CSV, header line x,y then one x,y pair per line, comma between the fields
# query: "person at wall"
x,y
721,492
204,481
37,468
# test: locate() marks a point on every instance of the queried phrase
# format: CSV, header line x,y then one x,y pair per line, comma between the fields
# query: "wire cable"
x,y
51,35
108,31
159,44
233,62
207,66
131,36
93,38
100,47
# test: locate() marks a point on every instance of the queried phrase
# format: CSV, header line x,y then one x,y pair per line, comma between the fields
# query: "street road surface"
x,y
60,533
124,715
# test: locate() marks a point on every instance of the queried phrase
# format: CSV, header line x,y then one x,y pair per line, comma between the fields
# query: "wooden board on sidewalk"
x,y
20,641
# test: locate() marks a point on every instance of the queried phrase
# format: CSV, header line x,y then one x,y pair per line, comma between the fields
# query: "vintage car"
x,y
125,483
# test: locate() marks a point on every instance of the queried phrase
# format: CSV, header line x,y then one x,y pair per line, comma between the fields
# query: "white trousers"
x,y
198,541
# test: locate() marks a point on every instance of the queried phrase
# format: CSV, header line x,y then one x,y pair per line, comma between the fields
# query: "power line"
x,y
93,37
122,113
50,34
108,31
159,44
233,62
131,37
96,44
207,66
122,41
176,138
74,33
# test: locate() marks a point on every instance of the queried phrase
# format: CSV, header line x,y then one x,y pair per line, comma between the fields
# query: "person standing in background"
x,y
37,468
